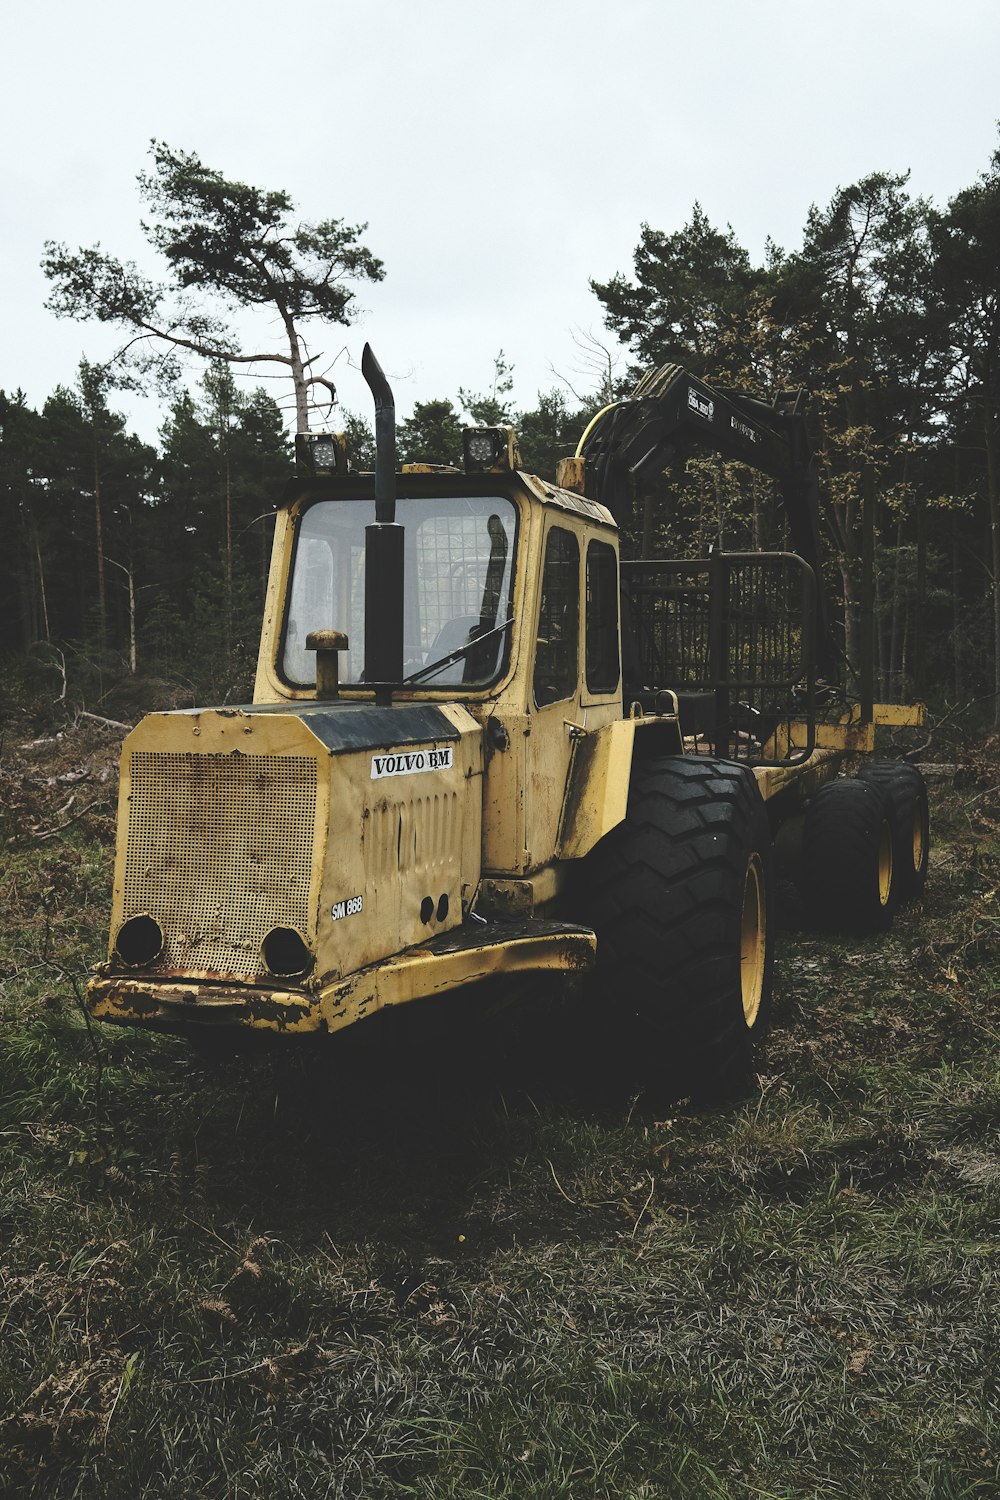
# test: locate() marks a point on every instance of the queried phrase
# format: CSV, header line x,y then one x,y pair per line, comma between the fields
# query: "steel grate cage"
x,y
732,635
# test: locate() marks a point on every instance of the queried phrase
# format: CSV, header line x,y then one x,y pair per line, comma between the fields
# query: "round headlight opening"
x,y
285,953
139,941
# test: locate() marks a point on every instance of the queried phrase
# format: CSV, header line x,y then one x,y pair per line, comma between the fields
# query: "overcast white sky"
x,y
501,154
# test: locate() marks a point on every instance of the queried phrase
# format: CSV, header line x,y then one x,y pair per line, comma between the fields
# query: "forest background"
x,y
131,560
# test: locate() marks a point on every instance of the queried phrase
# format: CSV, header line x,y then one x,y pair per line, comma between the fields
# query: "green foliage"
x,y
102,526
885,315
242,246
241,242
97,482
216,649
550,431
224,459
23,602
492,408
360,441
967,264
689,288
875,318
431,435
967,270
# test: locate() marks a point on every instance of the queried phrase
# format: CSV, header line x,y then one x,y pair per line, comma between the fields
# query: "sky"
x,y
501,155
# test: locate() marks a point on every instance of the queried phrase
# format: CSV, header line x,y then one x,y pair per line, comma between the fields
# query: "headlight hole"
x,y
285,953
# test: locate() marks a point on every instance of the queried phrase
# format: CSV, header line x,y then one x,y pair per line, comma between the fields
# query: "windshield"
x,y
458,574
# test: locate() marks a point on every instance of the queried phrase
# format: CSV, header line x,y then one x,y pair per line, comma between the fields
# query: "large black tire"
x,y
848,859
681,897
905,792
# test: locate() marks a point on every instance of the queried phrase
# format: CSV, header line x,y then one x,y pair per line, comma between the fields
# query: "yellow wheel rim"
x,y
884,862
918,837
753,939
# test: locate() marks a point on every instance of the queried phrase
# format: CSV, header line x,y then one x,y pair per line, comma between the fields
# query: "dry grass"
x,y
421,1265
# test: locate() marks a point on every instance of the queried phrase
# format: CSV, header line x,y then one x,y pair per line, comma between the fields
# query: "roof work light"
x,y
321,452
490,450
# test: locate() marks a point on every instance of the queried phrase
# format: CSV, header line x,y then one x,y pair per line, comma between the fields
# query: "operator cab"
x,y
510,608
509,584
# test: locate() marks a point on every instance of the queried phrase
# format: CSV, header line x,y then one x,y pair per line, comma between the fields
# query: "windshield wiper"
x,y
446,661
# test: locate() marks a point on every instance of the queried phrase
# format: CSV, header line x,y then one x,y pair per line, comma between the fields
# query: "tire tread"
x,y
661,894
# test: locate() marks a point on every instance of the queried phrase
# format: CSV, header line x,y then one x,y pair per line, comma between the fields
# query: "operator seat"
x,y
451,637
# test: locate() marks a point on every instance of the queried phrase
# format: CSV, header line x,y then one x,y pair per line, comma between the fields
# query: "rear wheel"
x,y
680,896
848,858
906,796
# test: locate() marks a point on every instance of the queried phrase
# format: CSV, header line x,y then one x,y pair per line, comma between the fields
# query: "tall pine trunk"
x,y
102,598
898,590
993,494
956,613
917,654
41,588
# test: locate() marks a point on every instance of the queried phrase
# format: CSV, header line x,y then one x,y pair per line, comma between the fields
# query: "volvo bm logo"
x,y
405,763
700,404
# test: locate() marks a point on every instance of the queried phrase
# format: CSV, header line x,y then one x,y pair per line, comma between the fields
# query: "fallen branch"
x,y
110,723
43,743
51,833
60,665
986,792
937,770
952,712
62,673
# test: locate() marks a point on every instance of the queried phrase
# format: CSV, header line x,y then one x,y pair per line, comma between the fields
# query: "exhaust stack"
x,y
383,548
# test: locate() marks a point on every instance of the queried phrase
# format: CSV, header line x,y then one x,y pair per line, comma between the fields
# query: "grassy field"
x,y
426,1265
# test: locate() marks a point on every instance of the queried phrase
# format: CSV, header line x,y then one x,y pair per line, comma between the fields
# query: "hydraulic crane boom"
x,y
669,414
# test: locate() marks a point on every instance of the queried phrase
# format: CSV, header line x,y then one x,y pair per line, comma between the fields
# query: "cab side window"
x,y
602,618
558,643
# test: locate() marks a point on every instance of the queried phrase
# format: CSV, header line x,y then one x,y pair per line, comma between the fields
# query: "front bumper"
x,y
449,962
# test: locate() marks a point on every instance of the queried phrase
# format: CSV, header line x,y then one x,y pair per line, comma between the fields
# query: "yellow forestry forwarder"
x,y
480,745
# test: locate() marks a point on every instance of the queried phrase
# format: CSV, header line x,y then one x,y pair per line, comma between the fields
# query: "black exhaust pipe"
x,y
383,548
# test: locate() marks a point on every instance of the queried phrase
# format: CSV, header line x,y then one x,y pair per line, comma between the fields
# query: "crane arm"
x,y
671,413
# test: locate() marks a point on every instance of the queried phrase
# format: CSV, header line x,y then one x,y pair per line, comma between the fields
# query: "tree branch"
x,y
207,351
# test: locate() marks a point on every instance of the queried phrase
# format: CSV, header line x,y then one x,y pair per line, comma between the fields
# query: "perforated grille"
x,y
220,850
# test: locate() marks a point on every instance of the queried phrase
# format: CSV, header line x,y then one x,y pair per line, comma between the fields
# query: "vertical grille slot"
x,y
411,835
220,850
